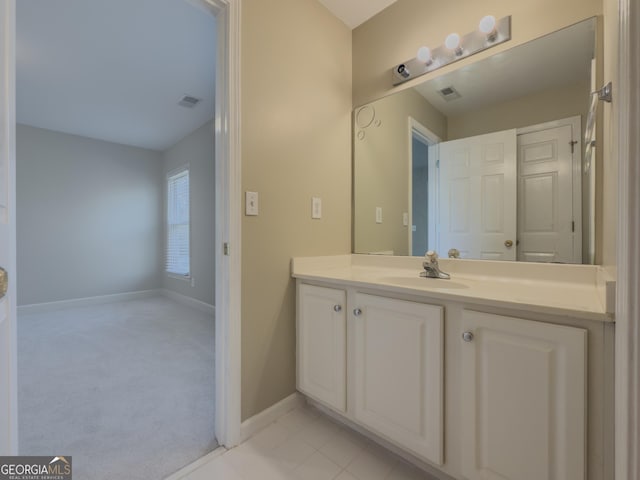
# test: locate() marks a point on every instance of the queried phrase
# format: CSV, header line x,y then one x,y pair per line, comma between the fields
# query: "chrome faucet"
x,y
431,267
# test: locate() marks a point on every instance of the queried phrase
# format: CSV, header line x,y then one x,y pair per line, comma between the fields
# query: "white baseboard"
x,y
189,302
263,419
86,301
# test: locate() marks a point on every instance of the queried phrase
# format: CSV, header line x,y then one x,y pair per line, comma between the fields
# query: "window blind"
x,y
177,261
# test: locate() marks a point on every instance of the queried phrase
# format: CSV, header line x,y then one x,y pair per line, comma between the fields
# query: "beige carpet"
x,y
127,388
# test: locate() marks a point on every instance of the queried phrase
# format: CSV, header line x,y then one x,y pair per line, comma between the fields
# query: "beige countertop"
x,y
582,291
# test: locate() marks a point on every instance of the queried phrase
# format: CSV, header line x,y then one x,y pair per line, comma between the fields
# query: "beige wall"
x,y
296,143
539,107
381,160
395,34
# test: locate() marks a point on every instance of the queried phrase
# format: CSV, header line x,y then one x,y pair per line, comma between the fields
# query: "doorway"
x,y
423,188
129,175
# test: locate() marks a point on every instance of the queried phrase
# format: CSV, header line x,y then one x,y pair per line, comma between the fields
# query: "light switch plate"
x,y
405,219
316,207
378,214
251,203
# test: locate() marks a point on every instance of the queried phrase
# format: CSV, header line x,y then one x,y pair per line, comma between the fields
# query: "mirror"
x,y
485,161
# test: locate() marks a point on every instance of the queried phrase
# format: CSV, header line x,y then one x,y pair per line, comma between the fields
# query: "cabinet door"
x,y
398,370
523,399
322,344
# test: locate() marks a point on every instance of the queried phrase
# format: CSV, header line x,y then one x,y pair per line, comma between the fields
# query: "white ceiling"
x,y
559,59
355,12
115,70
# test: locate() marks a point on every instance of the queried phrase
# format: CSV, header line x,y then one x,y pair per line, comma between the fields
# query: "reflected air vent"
x,y
449,93
188,101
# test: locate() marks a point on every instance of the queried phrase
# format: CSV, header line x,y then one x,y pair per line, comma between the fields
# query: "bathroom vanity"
x,y
505,371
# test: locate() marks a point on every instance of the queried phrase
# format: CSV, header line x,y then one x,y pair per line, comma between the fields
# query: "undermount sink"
x,y
422,282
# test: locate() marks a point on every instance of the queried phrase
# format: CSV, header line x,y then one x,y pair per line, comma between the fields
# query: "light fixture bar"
x,y
468,45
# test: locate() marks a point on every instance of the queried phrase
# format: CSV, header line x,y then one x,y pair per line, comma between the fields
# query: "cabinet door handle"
x,y
357,312
467,336
337,308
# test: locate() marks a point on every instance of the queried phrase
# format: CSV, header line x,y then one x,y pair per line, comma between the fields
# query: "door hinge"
x,y
226,249
573,226
573,144
437,163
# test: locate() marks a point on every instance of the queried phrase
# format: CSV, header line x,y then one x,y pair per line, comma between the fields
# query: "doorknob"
x,y
508,243
4,282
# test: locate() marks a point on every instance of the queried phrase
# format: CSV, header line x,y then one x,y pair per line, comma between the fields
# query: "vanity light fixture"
x,y
403,71
424,56
488,27
490,32
452,42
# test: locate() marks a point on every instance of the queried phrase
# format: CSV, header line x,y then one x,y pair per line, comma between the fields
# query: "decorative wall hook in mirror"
x,y
490,32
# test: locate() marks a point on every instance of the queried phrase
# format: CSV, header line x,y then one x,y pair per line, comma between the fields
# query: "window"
x,y
178,260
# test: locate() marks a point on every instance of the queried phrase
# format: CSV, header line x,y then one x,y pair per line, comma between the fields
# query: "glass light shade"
x,y
424,55
487,24
452,41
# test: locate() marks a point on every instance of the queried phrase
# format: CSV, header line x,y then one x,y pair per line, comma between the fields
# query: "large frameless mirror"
x,y
486,161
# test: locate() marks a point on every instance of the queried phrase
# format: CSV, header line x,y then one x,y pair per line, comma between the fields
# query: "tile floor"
x,y
306,445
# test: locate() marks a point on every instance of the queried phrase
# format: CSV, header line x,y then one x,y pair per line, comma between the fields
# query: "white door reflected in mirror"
x,y
477,208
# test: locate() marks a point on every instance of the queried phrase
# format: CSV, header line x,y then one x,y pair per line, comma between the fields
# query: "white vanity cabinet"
x,y
523,399
396,387
321,352
398,372
504,372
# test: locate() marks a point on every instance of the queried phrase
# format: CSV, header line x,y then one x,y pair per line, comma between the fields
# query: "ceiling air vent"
x,y
449,93
188,101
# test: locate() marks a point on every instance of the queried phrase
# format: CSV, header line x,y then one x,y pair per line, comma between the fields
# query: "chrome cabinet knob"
x,y
357,312
467,336
337,308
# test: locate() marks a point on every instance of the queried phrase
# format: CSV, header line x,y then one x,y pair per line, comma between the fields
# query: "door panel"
x,y
492,208
478,196
545,196
322,344
523,399
8,383
399,372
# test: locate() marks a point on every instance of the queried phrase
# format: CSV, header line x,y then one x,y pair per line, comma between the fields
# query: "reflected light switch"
x,y
378,214
316,207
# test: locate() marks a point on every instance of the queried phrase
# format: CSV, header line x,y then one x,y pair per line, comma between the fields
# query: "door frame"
x,y
431,139
9,419
228,223
627,348
575,123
